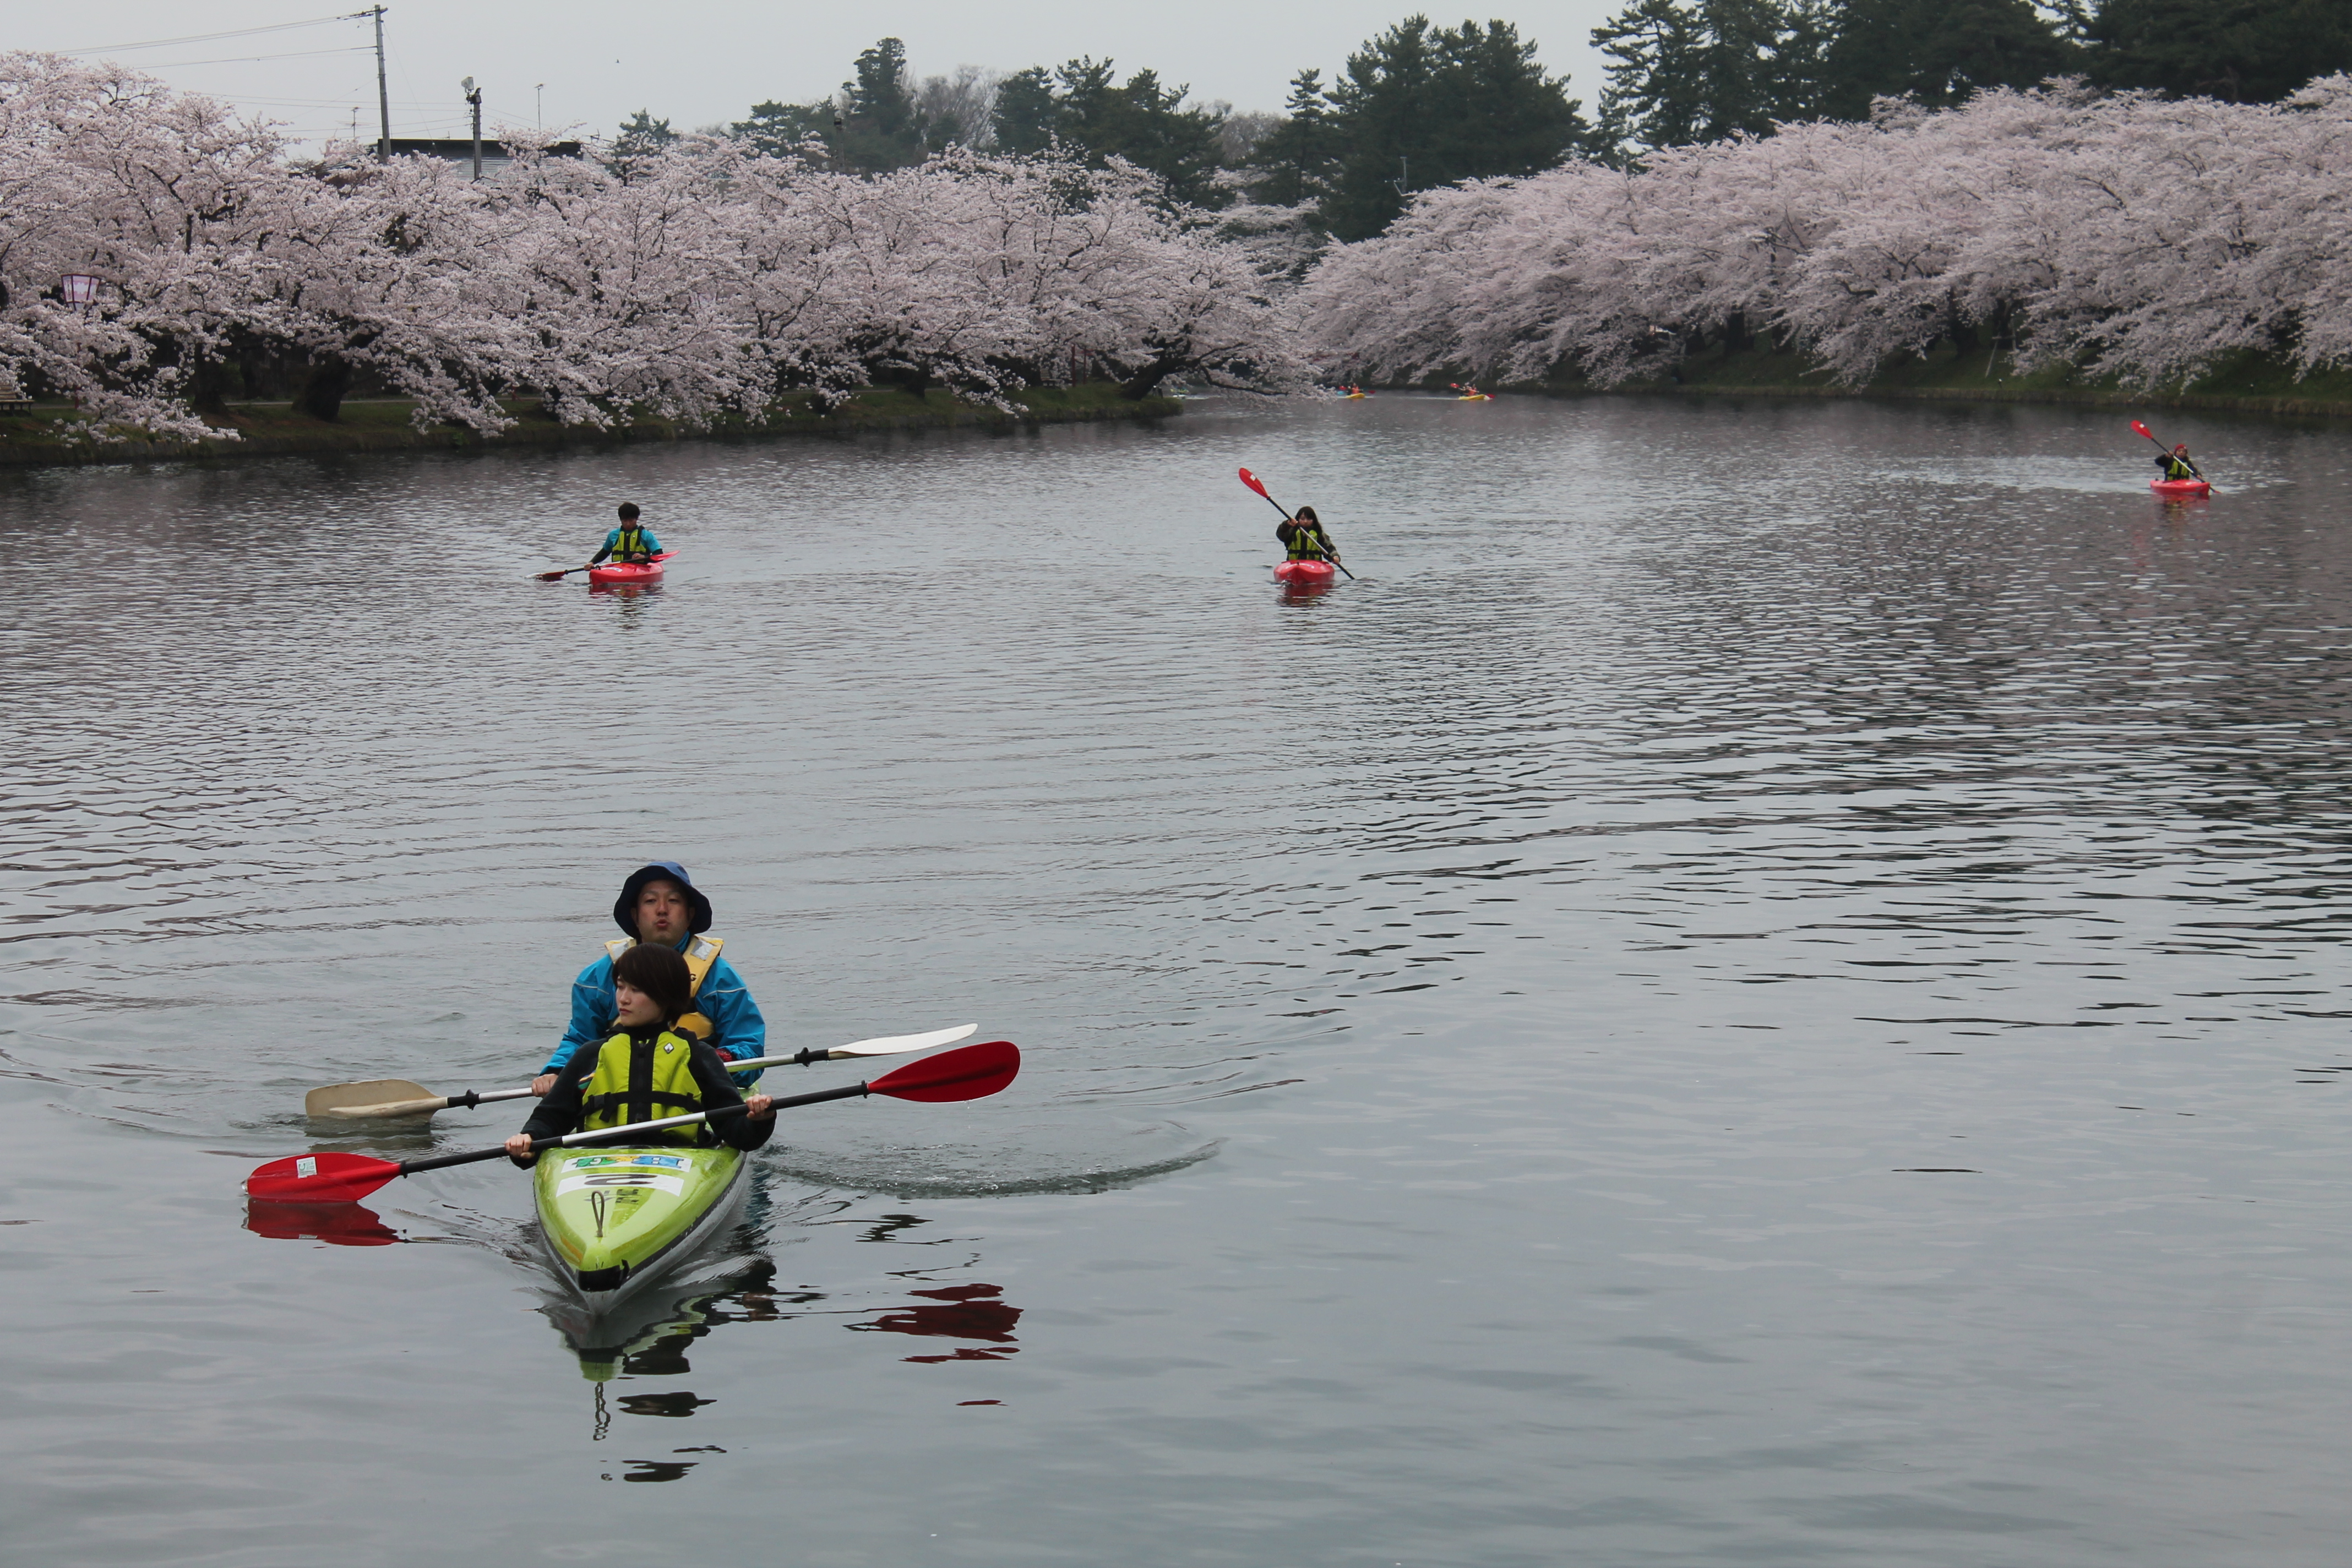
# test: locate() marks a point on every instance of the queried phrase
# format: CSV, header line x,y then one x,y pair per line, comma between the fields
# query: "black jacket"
x,y
1317,539
560,1112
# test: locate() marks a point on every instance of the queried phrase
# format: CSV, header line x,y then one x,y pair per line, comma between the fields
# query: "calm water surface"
x,y
1765,988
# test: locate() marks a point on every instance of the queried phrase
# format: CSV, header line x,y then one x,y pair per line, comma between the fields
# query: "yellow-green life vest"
x,y
630,541
700,953
1307,543
640,1081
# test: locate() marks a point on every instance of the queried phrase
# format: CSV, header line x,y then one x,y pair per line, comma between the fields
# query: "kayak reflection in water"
x,y
649,1067
2175,463
1305,537
631,543
660,907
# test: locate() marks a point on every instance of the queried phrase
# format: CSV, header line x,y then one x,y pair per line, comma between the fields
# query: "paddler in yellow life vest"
x,y
1305,537
660,907
648,1067
2175,463
631,542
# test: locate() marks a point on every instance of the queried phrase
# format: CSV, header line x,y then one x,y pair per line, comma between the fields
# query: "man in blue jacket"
x,y
631,543
659,903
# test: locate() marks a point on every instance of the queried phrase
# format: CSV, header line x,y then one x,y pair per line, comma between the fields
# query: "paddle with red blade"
x,y
1251,479
972,1072
2168,451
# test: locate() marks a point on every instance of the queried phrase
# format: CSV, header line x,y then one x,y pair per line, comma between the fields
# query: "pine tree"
x,y
639,141
779,129
1421,107
2243,51
1083,106
1299,157
879,129
1687,71
1940,52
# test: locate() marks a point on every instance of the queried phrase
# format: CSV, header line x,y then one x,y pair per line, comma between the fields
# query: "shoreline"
x,y
2240,384
2294,408
382,425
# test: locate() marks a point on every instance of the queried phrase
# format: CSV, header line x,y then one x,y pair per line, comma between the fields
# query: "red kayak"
x,y
1304,572
2180,487
614,571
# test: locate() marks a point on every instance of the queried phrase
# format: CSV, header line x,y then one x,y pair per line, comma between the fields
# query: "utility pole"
x,y
474,97
539,107
383,92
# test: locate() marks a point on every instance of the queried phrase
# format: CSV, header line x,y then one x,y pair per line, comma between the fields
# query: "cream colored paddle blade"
x,y
893,1045
377,1097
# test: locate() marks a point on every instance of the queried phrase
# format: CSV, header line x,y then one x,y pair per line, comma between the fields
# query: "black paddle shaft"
x,y
2167,452
540,1145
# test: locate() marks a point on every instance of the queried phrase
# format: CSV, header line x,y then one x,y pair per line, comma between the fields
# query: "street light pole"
x,y
474,97
539,107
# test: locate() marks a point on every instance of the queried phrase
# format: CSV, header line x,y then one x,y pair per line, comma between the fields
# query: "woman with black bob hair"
x,y
649,1068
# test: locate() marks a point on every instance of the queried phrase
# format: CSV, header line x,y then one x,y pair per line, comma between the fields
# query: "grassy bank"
x,y
267,429
2247,383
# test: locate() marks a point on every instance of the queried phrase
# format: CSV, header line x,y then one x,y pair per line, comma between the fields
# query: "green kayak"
x,y
615,1217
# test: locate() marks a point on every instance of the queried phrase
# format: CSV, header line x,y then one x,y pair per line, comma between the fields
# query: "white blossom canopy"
x,y
697,283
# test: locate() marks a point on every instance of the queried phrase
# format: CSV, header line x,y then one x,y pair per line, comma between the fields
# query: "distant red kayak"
x,y
2180,487
619,572
1304,572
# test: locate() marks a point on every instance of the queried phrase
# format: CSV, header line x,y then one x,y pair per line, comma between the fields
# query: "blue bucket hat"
x,y
625,908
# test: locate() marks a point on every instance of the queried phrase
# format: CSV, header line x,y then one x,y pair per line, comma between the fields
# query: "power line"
x,y
201,37
344,102
250,60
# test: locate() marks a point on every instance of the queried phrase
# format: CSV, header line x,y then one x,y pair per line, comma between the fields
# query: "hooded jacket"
x,y
738,1031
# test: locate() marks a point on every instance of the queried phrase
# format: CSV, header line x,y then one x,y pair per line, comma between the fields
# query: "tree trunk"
x,y
1142,384
322,395
1963,331
209,386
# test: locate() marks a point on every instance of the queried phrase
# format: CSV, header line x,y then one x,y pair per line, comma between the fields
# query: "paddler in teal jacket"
x,y
659,905
628,543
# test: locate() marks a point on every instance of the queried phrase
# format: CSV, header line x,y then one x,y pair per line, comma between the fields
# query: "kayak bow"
x,y
1303,571
614,1218
2181,486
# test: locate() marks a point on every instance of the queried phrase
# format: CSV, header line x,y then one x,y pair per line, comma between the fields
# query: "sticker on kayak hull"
x,y
674,1185
308,1165
639,1162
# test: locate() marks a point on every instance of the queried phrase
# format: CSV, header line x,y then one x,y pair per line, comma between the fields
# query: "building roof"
x,y
460,149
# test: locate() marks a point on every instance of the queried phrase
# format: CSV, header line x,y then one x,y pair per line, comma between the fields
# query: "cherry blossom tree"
x,y
696,280
106,175
2128,236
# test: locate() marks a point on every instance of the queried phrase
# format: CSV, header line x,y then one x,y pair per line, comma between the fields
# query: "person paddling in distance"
x,y
659,906
630,543
2175,463
1306,538
647,1068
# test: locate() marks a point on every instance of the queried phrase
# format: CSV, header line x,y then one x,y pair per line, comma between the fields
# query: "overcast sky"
x,y
701,64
